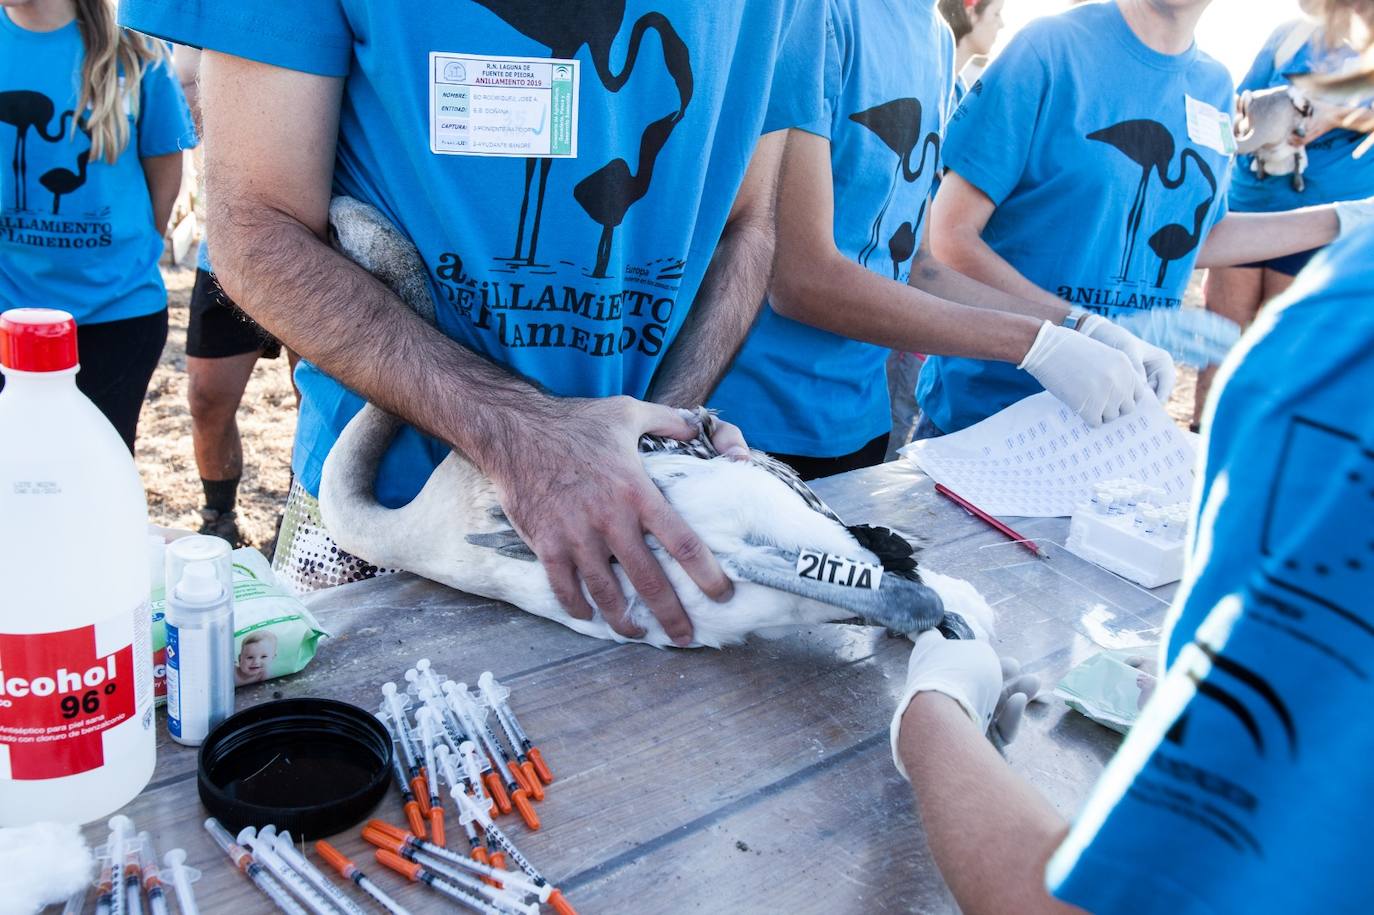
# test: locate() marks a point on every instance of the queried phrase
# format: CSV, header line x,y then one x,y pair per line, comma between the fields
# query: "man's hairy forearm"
x,y
730,298
357,331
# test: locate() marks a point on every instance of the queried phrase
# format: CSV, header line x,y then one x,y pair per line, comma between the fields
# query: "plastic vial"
x,y
200,648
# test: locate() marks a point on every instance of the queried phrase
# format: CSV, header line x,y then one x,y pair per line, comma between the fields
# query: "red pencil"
x,y
992,522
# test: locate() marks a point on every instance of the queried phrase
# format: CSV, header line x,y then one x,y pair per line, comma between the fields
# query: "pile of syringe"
x,y
443,741
129,875
1132,529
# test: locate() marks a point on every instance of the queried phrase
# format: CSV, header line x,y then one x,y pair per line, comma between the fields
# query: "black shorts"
x,y
118,359
1288,265
218,328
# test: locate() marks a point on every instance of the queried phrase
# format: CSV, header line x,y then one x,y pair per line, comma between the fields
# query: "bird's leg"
x,y
524,211
603,251
544,166
1133,227
20,172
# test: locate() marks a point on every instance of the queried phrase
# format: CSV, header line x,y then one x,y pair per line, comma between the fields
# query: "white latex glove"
x,y
1153,363
1354,214
1095,381
992,692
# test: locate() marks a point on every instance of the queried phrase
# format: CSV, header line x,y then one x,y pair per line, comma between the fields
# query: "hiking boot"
x,y
223,525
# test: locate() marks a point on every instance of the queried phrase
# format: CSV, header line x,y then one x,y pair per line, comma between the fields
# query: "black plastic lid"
x,y
314,767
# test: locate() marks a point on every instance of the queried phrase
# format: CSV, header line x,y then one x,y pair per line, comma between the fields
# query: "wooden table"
x,y
756,779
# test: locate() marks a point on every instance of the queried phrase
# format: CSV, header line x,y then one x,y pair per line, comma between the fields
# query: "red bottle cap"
x,y
37,340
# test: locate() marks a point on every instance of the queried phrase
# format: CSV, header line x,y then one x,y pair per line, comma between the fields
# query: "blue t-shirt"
x,y
1333,173
1245,785
576,273
76,232
796,389
1078,132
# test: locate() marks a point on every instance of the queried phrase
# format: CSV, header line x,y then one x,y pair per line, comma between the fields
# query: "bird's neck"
x,y
1162,26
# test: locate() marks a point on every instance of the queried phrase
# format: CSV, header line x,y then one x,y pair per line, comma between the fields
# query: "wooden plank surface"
x,y
756,779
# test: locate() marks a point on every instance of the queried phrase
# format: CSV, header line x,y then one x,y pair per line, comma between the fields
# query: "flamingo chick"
x,y
756,516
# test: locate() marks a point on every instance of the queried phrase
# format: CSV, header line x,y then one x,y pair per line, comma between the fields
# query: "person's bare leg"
x,y
215,389
1235,293
1275,285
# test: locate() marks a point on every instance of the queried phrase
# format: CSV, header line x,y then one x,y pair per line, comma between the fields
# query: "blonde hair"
x,y
111,52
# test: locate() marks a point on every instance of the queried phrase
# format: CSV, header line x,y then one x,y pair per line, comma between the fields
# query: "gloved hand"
x,y
1095,381
1354,214
1156,365
992,692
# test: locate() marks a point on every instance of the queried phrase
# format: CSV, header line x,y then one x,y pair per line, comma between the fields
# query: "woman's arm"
x,y
960,214
163,174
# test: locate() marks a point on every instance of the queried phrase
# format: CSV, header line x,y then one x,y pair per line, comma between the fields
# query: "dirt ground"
x,y
267,422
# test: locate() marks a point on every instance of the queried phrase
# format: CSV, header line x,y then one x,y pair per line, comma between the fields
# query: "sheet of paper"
x,y
1038,459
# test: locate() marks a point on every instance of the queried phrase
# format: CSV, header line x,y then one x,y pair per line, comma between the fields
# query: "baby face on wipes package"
x,y
274,634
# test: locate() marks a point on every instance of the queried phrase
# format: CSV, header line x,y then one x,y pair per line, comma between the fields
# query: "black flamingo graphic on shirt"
x,y
564,27
25,110
1150,145
62,181
898,124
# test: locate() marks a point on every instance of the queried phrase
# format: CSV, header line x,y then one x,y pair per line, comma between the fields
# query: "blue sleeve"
x,y
832,80
1260,74
992,133
311,36
795,98
1240,778
164,119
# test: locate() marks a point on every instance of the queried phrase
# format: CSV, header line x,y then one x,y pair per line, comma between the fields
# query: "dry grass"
x,y
267,421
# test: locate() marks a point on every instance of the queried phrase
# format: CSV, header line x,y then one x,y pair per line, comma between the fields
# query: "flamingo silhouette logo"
x,y
898,124
1150,145
24,111
608,193
62,181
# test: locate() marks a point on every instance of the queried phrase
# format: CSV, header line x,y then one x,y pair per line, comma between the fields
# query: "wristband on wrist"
x,y
1075,318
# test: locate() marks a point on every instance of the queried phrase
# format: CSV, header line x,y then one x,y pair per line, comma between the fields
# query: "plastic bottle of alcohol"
x,y
76,689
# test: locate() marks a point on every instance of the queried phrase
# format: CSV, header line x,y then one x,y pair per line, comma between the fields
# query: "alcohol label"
x,y
836,570
61,691
503,106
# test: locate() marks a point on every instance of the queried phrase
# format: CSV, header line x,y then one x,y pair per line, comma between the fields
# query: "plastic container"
x,y
200,638
76,685
1131,537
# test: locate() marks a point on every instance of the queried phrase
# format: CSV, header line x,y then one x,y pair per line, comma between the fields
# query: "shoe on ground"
x,y
223,525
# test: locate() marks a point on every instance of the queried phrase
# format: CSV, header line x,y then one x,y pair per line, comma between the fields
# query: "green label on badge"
x,y
562,114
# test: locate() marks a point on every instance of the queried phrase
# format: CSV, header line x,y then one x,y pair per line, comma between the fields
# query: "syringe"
x,y
152,878
498,697
412,871
263,853
105,886
408,802
461,703
243,860
478,711
391,838
124,848
429,736
282,845
182,878
393,703
349,871
468,810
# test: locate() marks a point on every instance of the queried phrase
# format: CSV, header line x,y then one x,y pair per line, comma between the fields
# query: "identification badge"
x,y
836,570
503,106
1210,127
